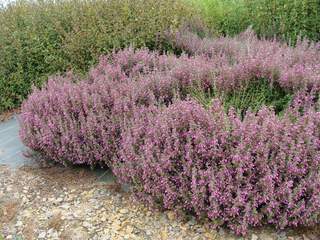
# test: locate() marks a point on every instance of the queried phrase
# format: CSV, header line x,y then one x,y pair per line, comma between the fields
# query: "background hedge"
x,y
41,38
285,19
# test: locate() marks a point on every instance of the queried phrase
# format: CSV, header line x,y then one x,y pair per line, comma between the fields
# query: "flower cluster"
x,y
246,57
135,115
69,122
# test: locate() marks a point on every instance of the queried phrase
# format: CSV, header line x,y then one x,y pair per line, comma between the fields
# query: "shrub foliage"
x,y
135,113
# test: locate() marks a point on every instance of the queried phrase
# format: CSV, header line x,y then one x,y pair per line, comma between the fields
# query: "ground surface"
x,y
11,148
54,202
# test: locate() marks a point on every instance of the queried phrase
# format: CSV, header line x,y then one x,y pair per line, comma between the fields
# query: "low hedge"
x,y
41,38
238,173
136,114
68,119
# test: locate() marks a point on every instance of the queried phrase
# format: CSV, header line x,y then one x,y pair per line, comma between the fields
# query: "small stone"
x,y
171,215
77,234
221,232
42,235
199,230
65,206
164,234
55,235
305,237
19,224
313,236
209,236
254,237
282,235
124,211
116,225
129,230
86,224
265,237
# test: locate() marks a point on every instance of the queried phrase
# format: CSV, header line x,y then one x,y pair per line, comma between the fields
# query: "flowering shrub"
x,y
79,122
169,153
69,122
134,113
242,173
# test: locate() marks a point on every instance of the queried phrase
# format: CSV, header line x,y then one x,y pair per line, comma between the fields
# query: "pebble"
x,y
171,215
65,206
87,224
254,237
148,232
265,236
19,224
124,211
42,235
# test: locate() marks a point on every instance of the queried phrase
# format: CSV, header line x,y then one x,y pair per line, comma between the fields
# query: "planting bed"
x,y
228,131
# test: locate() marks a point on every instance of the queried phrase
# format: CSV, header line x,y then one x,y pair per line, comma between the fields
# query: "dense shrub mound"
x,y
243,173
69,122
73,121
41,38
239,165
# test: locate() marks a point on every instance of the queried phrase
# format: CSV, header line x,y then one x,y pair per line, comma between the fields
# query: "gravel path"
x,y
59,203
62,203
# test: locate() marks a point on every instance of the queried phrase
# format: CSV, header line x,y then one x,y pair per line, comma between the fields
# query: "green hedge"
x,y
41,38
227,17
285,19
